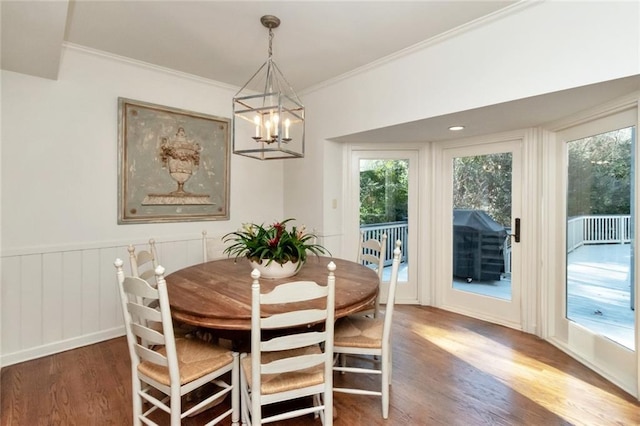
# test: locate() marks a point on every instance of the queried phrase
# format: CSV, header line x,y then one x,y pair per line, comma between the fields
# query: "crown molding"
x,y
455,32
145,65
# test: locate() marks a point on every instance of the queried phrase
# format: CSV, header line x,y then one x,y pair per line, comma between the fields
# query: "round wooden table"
x,y
217,294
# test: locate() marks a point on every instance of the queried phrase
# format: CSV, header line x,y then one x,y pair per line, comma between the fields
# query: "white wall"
x,y
59,197
59,140
536,49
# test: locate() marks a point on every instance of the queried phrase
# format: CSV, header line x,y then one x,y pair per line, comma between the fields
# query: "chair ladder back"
x,y
167,326
148,335
143,263
297,291
293,319
284,343
205,250
373,252
393,284
143,317
150,355
150,347
294,363
139,287
294,354
136,295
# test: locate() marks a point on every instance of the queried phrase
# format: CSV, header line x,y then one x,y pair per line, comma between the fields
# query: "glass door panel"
x,y
481,224
384,204
386,201
599,263
480,272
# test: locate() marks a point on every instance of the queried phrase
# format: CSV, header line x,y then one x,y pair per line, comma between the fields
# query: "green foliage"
x,y
383,191
484,183
599,182
273,243
599,174
599,178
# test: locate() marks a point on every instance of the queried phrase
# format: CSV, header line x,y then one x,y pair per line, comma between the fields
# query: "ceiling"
x,y
224,40
316,42
520,114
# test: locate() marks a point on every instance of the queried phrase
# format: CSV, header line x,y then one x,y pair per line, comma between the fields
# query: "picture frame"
x,y
173,164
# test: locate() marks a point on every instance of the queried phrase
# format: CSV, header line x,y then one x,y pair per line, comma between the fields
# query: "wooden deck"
x,y
599,291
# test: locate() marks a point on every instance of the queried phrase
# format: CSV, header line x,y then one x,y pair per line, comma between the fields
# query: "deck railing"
x,y
585,230
598,229
581,230
395,231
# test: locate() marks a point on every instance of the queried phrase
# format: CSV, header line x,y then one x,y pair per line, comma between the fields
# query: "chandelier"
x,y
268,117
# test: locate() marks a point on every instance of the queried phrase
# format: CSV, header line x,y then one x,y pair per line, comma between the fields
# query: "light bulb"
x,y
256,120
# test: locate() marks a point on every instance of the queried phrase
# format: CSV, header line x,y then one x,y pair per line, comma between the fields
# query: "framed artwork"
x,y
173,165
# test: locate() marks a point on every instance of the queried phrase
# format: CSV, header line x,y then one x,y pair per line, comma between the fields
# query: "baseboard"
x,y
591,365
481,316
60,346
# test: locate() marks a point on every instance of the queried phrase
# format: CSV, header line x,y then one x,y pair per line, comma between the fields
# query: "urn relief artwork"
x,y
173,164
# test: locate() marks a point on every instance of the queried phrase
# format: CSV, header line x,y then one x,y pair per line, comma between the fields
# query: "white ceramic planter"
x,y
275,270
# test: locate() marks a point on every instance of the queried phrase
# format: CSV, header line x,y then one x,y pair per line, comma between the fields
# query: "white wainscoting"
x,y
54,300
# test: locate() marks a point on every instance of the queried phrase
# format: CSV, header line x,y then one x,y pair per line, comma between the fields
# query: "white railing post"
x,y
394,230
600,229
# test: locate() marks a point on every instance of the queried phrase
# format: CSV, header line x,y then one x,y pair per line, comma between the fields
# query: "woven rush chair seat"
x,y
358,332
275,383
195,358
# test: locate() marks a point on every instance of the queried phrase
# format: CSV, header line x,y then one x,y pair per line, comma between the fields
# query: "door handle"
x,y
516,234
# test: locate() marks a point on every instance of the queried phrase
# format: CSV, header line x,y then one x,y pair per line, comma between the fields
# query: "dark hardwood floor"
x,y
447,370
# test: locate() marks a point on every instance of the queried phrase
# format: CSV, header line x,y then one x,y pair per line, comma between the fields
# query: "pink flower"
x,y
279,227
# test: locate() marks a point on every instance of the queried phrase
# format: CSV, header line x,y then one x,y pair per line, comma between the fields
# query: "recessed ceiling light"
x,y
456,128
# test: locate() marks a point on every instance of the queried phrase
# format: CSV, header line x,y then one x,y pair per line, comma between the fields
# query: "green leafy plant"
x,y
273,243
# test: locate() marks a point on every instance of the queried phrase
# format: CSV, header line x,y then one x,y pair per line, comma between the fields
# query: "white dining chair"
x,y
172,366
297,362
371,253
144,262
212,248
369,339
205,250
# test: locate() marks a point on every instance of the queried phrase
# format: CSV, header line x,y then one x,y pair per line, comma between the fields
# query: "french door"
x,y
383,199
480,231
593,301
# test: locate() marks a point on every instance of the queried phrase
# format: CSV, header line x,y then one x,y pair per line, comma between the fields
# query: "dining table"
x,y
217,294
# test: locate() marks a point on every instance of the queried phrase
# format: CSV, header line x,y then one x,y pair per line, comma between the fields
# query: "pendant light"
x,y
268,117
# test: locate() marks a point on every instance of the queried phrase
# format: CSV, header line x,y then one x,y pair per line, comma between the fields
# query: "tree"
x,y
484,183
599,174
599,178
383,191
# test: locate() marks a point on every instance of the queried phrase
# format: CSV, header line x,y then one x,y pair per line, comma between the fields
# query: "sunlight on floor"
x,y
521,373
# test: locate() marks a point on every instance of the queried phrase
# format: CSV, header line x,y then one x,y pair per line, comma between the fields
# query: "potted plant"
x,y
276,251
